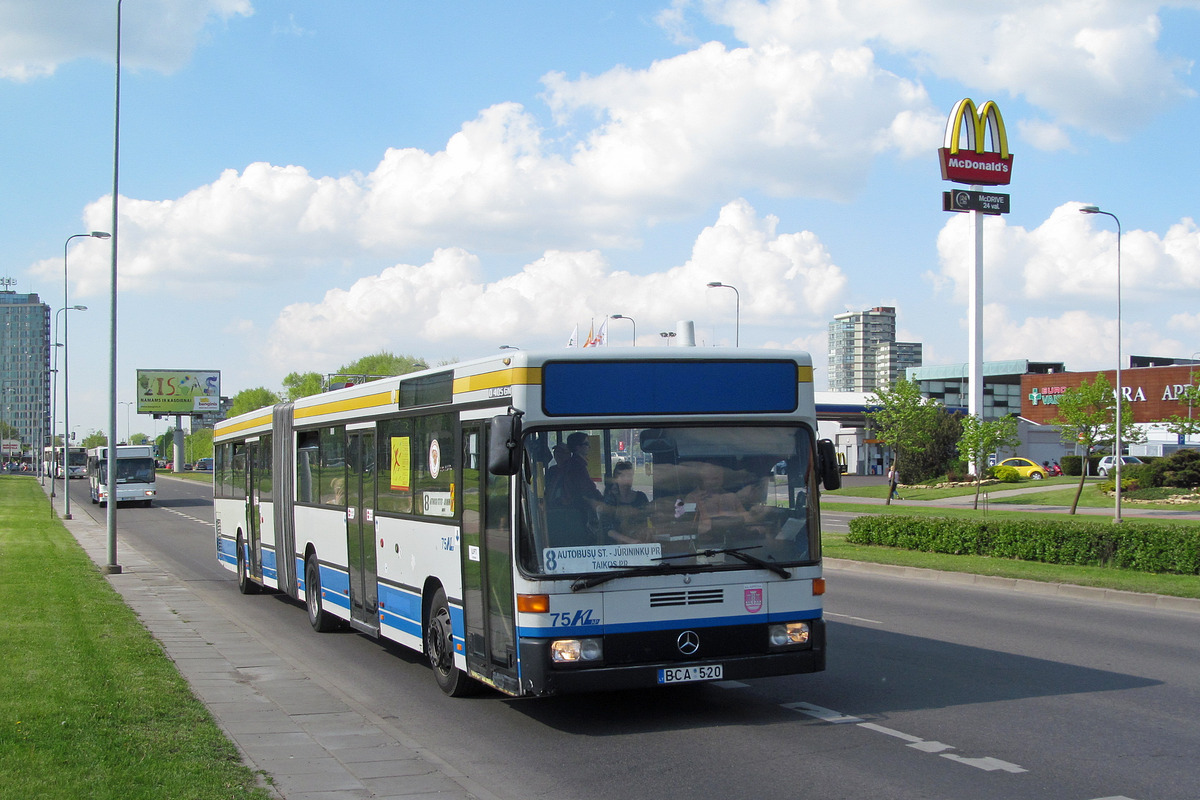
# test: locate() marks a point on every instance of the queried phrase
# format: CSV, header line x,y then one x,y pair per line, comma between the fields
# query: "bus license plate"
x,y
710,672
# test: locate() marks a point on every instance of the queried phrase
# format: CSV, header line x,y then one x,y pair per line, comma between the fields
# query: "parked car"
x,y
1025,467
204,465
1109,464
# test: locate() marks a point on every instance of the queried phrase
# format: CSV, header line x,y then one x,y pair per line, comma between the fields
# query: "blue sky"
x,y
304,183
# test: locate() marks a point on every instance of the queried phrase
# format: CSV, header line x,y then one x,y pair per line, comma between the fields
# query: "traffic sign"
x,y
968,200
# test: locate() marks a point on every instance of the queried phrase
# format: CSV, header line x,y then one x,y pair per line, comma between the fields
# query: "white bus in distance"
x,y
135,474
76,461
544,523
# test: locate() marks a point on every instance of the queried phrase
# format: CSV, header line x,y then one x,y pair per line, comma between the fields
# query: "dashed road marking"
x,y
986,763
185,516
856,619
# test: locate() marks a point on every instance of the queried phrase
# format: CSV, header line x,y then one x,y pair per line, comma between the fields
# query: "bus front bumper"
x,y
542,678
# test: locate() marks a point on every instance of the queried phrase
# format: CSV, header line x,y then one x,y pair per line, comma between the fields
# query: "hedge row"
x,y
1144,546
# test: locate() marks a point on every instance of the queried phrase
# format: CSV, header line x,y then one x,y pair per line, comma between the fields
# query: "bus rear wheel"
x,y
439,646
320,619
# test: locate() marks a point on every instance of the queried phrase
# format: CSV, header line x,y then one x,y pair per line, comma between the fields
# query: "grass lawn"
x,y
834,545
90,706
918,492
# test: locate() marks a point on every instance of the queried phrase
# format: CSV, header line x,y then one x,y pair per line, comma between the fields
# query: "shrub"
x,y
1072,464
1145,546
1181,469
1006,474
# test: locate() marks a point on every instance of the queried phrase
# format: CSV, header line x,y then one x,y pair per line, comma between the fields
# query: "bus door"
x,y
360,529
487,564
254,465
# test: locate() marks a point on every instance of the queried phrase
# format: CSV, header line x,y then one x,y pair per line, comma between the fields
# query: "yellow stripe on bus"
x,y
379,399
224,429
493,380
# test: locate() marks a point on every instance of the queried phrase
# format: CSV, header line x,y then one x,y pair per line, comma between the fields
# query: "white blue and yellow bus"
x,y
547,522
135,477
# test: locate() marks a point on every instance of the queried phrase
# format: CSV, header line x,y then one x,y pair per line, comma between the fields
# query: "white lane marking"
x,y
823,714
925,746
856,619
185,516
987,763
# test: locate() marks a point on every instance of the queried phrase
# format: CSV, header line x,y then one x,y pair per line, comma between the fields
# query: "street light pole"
x,y
54,407
112,567
1120,395
737,309
622,316
66,368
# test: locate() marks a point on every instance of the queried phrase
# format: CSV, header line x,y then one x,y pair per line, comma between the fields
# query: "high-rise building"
x,y
24,372
863,352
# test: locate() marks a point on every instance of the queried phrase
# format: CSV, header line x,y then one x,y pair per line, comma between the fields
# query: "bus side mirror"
x,y
827,465
504,444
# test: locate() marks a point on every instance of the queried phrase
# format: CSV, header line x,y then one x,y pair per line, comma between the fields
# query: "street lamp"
x,y
112,567
54,399
128,430
1120,395
622,316
668,335
737,308
66,368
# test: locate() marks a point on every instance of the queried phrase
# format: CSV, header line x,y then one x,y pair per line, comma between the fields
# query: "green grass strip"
x,y
90,706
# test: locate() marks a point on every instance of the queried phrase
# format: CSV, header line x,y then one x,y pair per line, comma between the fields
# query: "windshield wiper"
x,y
605,577
738,553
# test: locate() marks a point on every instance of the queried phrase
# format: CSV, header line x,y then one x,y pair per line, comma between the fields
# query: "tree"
x,y
94,439
982,437
1086,417
248,400
198,444
383,363
297,384
920,432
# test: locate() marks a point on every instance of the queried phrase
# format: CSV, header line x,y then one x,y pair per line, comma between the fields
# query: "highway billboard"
x,y
178,391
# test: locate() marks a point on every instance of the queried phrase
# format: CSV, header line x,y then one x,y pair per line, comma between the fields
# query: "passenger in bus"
x,y
714,503
625,511
571,508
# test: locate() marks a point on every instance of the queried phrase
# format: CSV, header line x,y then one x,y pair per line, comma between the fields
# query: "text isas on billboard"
x,y
161,391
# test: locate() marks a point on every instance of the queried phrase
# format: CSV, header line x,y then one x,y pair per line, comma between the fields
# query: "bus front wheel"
x,y
439,646
245,584
320,619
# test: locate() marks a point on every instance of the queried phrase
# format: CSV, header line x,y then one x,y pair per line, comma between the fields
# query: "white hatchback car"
x,y
1109,463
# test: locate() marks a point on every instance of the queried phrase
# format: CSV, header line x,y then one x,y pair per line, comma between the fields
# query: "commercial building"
x,y
863,352
24,372
1002,384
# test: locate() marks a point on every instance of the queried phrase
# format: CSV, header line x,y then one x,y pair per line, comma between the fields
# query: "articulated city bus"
x,y
545,523
135,477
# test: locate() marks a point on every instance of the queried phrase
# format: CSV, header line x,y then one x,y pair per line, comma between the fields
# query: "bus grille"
x,y
687,597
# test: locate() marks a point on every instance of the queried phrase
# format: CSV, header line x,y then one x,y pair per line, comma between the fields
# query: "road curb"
x,y
1066,590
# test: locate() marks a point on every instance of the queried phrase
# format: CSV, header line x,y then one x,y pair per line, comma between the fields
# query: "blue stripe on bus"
x,y
665,625
400,609
269,569
335,586
227,551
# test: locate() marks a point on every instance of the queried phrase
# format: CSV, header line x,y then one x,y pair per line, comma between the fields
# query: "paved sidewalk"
x,y
310,739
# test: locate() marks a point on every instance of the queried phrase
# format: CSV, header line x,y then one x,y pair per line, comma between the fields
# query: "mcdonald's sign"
x,y
973,163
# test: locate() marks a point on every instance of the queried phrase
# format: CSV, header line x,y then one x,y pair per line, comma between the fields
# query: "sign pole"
x,y
975,319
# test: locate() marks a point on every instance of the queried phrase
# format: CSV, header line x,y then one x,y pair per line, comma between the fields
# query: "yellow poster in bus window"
x,y
401,469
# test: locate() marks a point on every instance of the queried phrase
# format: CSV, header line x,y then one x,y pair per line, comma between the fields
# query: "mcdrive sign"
x,y
971,162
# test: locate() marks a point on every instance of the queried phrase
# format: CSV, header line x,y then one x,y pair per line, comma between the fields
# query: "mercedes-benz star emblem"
x,y
688,643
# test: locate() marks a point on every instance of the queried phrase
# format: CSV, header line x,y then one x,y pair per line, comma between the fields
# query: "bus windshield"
x,y
616,499
129,470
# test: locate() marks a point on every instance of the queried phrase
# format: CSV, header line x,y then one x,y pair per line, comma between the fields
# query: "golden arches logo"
x,y
975,163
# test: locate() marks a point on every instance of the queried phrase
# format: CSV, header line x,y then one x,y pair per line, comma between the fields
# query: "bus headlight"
x,y
571,651
789,634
